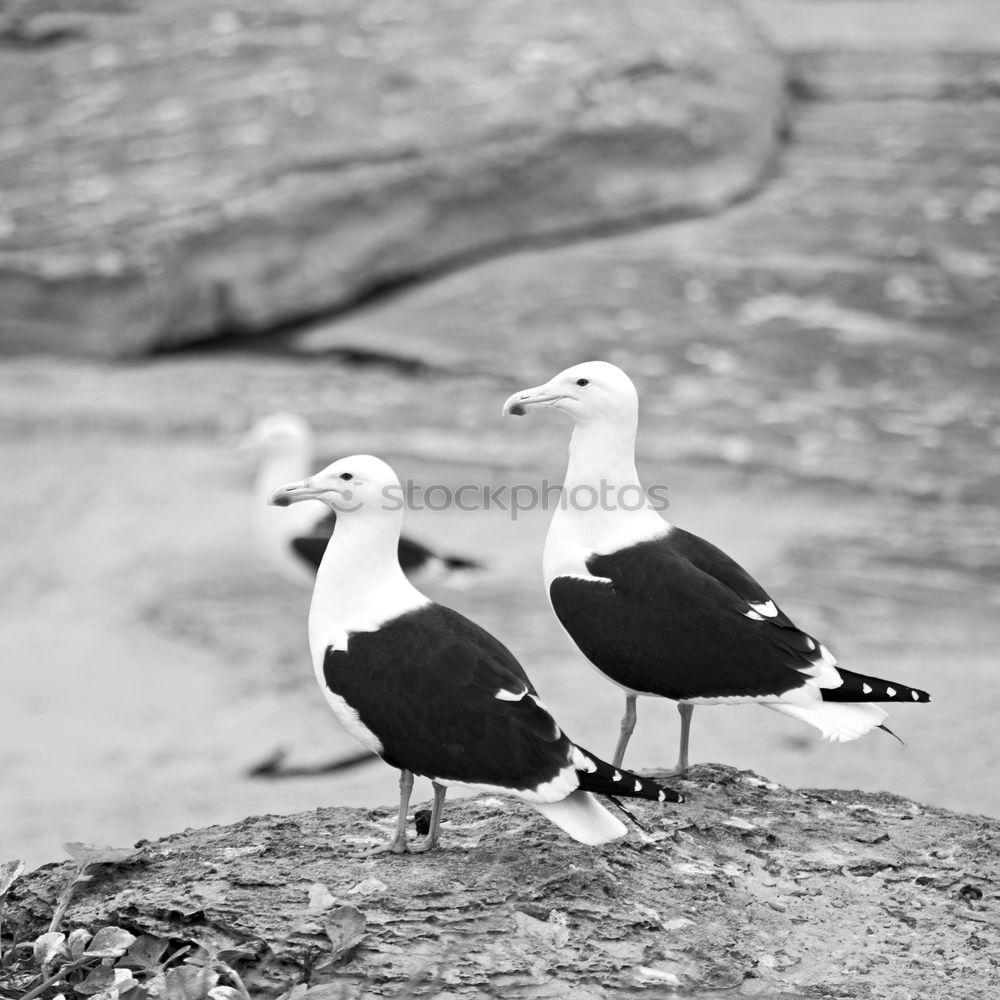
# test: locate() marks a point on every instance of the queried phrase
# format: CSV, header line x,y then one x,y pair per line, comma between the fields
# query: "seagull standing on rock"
x,y
428,690
662,612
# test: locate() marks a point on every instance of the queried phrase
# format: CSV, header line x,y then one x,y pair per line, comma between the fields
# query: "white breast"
x,y
575,536
338,611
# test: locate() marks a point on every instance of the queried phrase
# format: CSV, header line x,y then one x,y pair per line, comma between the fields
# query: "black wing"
x,y
412,554
312,546
426,685
672,619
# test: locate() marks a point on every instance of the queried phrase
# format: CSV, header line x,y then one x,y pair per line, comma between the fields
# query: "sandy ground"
x,y
149,659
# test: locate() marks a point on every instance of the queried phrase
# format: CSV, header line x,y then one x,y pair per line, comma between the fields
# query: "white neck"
x,y
275,527
603,452
601,468
359,584
279,467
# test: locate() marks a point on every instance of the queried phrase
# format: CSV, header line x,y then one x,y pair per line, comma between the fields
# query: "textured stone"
x,y
183,168
747,885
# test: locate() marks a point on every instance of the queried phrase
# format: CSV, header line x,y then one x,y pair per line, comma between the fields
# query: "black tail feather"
x,y
605,779
629,814
858,687
886,729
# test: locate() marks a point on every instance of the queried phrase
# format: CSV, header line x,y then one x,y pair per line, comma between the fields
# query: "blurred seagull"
x,y
428,690
294,543
660,611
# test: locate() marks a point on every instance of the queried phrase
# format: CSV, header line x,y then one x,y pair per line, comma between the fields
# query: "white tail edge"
x,y
583,818
838,721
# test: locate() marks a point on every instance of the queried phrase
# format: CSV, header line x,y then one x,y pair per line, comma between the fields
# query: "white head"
x,y
594,391
359,583
354,487
278,433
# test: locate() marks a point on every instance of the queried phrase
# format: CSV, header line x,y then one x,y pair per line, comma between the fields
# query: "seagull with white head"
x,y
662,612
284,445
427,689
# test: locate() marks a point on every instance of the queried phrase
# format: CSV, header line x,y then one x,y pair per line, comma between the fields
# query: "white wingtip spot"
x,y
617,776
866,688
503,695
916,695
891,692
810,644
581,761
638,786
753,616
766,608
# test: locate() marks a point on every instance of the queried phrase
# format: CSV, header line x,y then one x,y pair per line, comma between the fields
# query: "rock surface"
x,y
183,169
748,887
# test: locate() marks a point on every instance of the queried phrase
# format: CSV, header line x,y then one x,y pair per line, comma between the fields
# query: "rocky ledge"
x,y
748,887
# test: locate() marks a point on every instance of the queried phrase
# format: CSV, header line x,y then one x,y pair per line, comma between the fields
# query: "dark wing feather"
x,y
712,560
671,621
312,546
426,685
412,554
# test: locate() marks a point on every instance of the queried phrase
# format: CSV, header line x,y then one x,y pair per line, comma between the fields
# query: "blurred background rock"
x,y
781,217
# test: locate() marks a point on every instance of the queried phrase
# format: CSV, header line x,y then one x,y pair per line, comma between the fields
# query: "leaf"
x,y
91,854
187,982
145,953
345,927
101,977
10,872
297,992
156,986
224,993
49,947
320,897
110,942
218,944
78,941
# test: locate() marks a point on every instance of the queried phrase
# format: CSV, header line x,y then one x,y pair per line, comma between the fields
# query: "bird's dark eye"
x,y
346,476
583,381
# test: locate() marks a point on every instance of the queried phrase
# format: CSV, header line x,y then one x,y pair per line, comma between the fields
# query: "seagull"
x,y
294,543
660,611
427,689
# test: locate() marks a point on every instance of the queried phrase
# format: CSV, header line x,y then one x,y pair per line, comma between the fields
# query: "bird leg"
x,y
397,845
431,840
682,759
628,724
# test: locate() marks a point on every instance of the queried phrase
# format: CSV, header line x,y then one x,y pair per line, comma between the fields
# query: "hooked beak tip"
x,y
284,496
518,404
